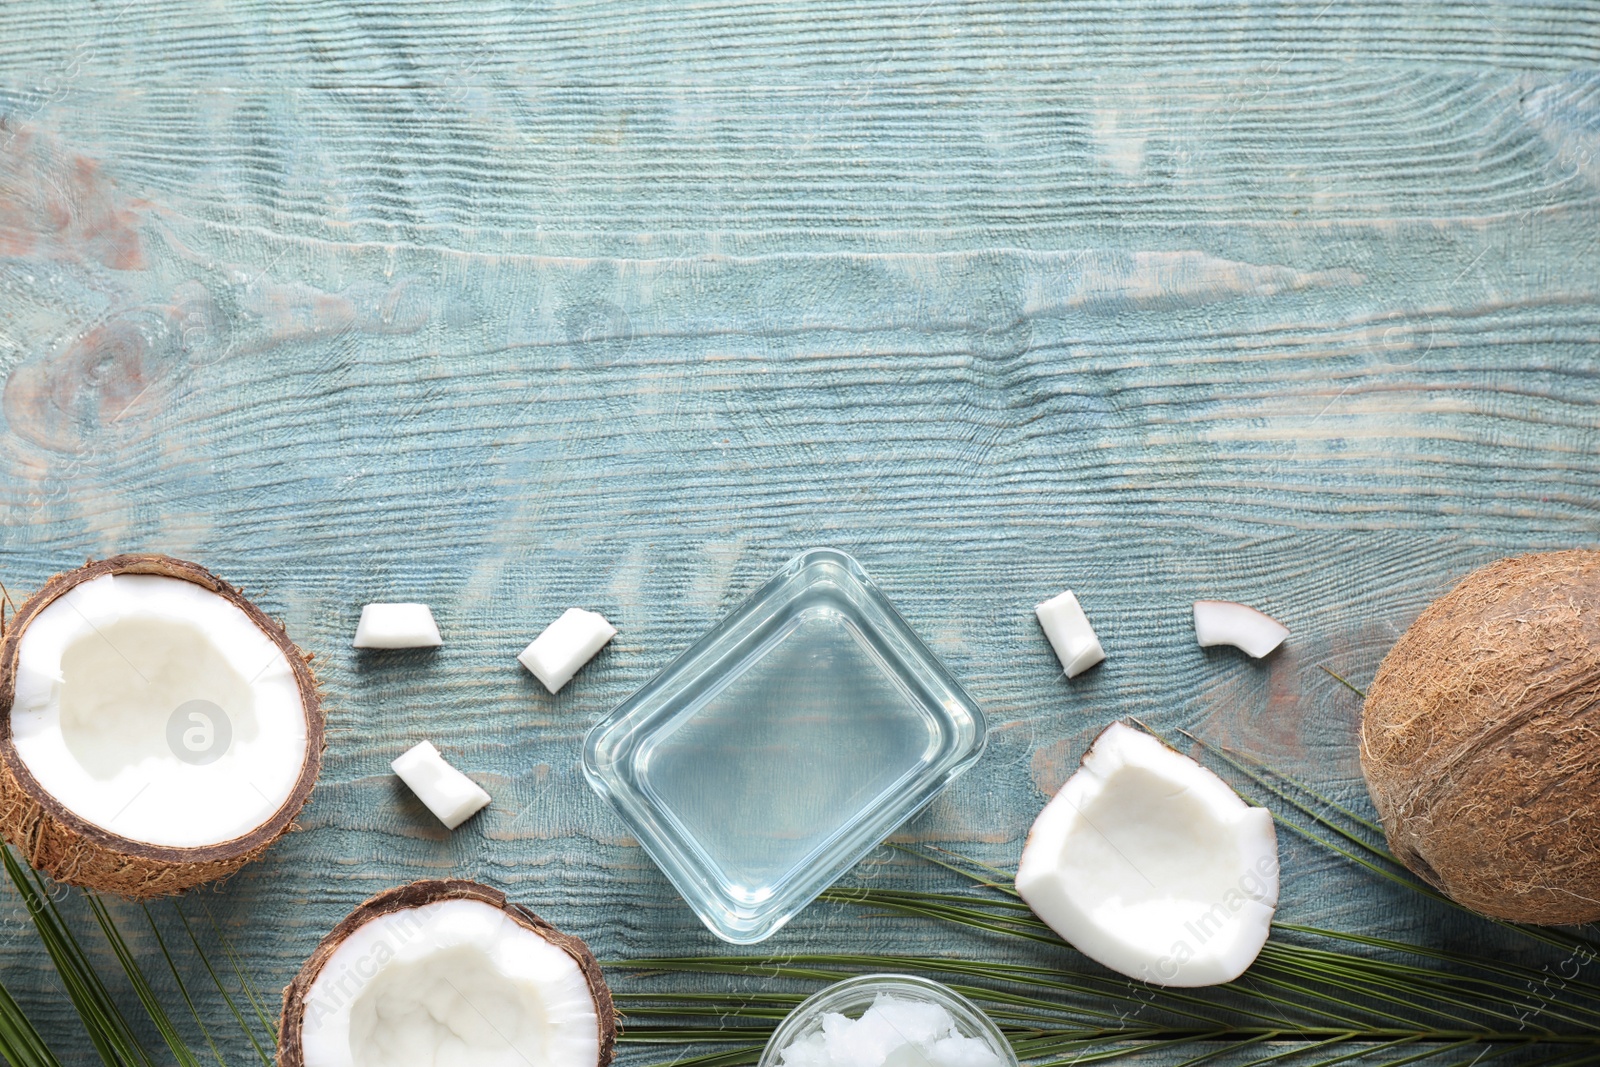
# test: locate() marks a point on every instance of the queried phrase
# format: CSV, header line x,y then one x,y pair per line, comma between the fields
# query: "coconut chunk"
x,y
449,794
397,626
1222,622
1070,634
161,731
566,645
447,973
1149,864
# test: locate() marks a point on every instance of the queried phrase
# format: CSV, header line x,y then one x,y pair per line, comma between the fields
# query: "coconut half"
x,y
447,974
157,730
1148,863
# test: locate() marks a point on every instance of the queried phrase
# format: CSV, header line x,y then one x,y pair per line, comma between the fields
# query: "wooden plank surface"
x,y
511,307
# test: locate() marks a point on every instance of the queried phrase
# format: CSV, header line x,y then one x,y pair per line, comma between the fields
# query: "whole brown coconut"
x,y
55,839
1480,740
292,1022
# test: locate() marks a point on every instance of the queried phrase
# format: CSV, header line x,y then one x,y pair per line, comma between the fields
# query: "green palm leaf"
x,y
110,1033
1329,996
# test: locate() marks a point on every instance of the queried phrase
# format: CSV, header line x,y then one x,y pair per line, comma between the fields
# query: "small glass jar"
x,y
853,996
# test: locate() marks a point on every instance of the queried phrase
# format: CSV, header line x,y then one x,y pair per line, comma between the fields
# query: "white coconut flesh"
x,y
157,710
455,983
1223,622
1149,864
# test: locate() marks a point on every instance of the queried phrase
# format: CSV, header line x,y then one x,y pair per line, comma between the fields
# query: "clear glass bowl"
x,y
783,745
853,996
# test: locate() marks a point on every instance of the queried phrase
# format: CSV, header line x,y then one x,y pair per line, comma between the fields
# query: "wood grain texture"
x,y
509,308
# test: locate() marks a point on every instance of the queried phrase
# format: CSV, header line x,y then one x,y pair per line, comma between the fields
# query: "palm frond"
x,y
1323,997
245,1026
1359,848
108,1030
20,1043
141,985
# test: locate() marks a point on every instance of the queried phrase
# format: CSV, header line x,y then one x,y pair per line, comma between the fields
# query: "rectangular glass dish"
x,y
783,746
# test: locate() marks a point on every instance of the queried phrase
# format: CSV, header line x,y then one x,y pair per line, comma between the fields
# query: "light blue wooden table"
x,y
510,307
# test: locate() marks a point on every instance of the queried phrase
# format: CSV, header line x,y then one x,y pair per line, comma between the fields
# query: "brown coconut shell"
x,y
1480,740
416,895
70,849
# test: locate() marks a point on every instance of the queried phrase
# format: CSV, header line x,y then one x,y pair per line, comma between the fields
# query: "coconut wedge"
x,y
1223,622
1149,864
447,974
157,730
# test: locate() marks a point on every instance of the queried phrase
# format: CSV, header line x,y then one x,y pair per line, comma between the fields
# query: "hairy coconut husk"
x,y
68,848
416,895
1480,740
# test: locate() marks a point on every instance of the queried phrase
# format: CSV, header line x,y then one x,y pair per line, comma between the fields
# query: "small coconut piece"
x,y
397,626
1149,864
157,730
1223,622
566,645
1480,740
447,973
450,795
1070,634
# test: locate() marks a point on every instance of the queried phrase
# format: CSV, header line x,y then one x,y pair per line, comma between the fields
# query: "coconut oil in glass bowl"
x,y
784,745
